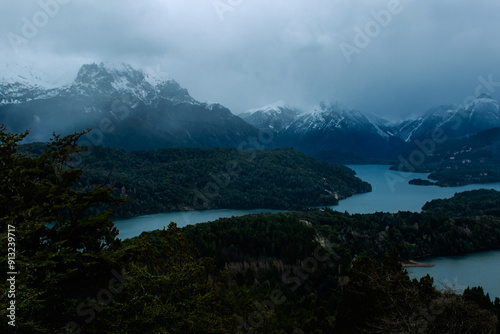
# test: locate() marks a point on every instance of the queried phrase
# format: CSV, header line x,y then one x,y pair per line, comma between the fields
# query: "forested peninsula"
x,y
178,179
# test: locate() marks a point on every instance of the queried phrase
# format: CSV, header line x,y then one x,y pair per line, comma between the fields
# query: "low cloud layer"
x,y
392,58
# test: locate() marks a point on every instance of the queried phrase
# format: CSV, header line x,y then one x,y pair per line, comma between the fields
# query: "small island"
x,y
421,182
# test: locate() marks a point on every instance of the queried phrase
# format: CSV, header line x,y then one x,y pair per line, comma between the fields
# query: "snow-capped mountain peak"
x,y
125,107
334,116
332,127
277,106
275,116
119,79
156,76
484,103
479,114
19,84
12,73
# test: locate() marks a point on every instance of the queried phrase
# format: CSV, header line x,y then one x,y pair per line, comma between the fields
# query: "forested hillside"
x,y
457,161
305,272
413,234
472,203
176,179
281,251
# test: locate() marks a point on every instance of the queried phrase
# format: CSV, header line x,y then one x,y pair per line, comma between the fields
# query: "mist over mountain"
x,y
276,116
131,109
480,114
126,107
179,97
335,127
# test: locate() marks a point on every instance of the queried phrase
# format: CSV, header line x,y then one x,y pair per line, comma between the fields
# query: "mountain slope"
x,y
126,108
460,161
276,116
455,121
334,127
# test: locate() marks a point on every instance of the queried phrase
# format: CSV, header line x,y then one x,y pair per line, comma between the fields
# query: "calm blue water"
x,y
390,193
134,226
458,272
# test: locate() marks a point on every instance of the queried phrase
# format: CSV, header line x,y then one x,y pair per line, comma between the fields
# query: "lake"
x,y
390,193
134,226
458,272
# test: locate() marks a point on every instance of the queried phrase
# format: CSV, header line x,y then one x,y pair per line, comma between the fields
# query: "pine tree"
x,y
58,240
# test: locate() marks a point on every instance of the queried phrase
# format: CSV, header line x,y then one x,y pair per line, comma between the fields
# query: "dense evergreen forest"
x,y
413,234
456,162
316,271
475,203
177,179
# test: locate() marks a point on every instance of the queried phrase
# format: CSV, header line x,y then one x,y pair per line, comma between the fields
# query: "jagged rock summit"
x,y
127,108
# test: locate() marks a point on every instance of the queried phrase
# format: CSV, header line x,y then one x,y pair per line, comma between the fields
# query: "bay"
x,y
459,272
132,227
392,193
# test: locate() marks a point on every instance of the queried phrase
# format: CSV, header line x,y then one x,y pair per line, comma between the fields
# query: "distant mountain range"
x,y
455,121
275,117
338,134
334,127
459,161
127,109
134,110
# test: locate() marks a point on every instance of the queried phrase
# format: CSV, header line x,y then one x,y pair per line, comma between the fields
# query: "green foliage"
x,y
252,237
477,296
58,242
189,178
68,258
172,289
383,300
469,203
248,241
463,161
413,234
219,277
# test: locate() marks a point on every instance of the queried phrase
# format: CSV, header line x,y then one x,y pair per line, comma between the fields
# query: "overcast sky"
x,y
392,58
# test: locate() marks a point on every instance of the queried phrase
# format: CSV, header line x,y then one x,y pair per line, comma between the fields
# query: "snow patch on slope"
x,y
273,107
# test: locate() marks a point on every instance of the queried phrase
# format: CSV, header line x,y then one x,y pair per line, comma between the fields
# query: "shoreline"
x,y
412,263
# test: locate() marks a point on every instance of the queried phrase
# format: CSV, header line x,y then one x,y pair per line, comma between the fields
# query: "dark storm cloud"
x,y
392,58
